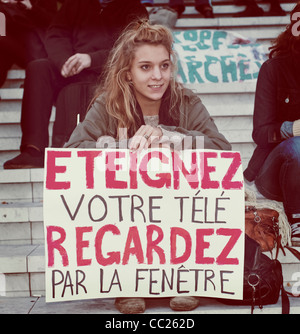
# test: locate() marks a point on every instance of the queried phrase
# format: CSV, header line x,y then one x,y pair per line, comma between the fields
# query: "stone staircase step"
x,y
15,78
10,117
11,93
21,192
10,144
224,10
233,22
24,269
21,223
156,309
22,266
23,185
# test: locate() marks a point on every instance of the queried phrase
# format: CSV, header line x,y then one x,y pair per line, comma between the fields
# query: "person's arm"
x,y
59,35
266,128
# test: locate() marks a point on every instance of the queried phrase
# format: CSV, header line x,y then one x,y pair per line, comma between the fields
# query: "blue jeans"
x,y
279,177
181,2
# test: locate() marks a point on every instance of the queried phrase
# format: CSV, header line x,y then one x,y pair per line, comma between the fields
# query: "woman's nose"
x,y
156,74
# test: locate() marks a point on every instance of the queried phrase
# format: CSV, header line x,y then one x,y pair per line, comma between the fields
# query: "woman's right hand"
x,y
145,137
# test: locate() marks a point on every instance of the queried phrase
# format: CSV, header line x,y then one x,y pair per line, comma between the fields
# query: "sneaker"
x,y
206,11
250,11
295,227
187,303
25,160
130,305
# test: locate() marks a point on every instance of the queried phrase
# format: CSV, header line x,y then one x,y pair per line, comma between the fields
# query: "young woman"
x,y
275,164
140,93
140,96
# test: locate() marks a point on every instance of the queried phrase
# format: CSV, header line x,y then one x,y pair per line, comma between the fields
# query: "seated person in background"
x,y
78,42
252,9
140,97
202,6
275,164
26,25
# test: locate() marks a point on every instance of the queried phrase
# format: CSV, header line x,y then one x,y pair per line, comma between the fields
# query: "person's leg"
x,y
178,5
41,85
279,179
205,8
275,9
252,9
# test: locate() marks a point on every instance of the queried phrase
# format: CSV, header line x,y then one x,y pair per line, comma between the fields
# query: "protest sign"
x,y
151,224
217,56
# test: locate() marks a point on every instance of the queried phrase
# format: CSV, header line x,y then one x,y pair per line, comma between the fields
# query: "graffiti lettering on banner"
x,y
153,224
217,56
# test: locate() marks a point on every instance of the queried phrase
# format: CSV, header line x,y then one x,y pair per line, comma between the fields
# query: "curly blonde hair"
x,y
118,90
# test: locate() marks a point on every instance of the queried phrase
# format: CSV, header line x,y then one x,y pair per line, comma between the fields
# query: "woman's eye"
x,y
165,66
145,67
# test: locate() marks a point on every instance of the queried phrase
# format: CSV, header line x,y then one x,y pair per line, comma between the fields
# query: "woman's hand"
x,y
145,137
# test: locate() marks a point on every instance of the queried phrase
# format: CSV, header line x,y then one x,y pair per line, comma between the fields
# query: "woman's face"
x,y
150,72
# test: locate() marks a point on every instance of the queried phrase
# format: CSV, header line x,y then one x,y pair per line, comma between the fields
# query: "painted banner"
x,y
217,56
153,224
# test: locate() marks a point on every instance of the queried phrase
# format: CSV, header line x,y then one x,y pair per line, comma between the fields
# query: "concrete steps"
x,y
24,270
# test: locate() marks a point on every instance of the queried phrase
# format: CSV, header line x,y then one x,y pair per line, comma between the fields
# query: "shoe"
x,y
295,229
130,305
250,11
188,303
206,11
25,160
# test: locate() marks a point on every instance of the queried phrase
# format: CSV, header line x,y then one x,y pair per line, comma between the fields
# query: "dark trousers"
x,y
19,48
279,177
42,85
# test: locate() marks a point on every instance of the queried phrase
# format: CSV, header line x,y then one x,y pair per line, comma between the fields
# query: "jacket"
x,y
83,26
277,99
194,121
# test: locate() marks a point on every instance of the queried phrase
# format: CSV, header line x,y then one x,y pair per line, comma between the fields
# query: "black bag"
x,y
71,105
263,280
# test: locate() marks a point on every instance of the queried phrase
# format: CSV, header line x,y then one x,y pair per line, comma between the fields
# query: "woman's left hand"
x,y
145,137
